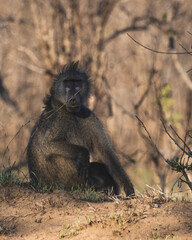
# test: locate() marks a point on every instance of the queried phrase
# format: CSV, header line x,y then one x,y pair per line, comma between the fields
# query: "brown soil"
x,y
26,214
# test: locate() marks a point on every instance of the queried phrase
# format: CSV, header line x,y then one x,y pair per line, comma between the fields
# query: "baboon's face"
x,y
70,92
73,97
71,88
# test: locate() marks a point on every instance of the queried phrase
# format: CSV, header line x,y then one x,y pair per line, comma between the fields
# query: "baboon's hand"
x,y
128,189
83,172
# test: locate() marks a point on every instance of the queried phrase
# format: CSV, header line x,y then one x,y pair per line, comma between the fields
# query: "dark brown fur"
x,y
65,135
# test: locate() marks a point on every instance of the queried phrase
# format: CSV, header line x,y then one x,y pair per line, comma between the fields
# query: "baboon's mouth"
x,y
73,108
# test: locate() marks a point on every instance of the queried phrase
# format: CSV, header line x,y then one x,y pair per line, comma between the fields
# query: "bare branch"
x,y
189,70
31,67
124,30
179,167
189,32
124,110
17,133
181,71
188,182
189,154
153,50
185,145
144,95
153,144
30,54
179,179
185,49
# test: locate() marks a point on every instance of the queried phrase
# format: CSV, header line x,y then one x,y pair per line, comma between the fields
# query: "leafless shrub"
x,y
181,164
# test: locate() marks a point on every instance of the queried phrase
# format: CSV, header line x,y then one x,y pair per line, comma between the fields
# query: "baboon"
x,y
99,177
67,133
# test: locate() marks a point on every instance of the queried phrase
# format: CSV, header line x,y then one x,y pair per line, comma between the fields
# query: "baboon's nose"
x,y
73,101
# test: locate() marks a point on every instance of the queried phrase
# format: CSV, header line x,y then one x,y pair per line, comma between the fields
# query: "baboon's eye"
x,y
67,85
67,89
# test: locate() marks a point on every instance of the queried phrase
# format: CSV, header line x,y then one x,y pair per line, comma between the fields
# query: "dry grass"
x,y
60,214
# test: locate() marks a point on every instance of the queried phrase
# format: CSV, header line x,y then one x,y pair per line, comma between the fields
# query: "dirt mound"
x,y
26,214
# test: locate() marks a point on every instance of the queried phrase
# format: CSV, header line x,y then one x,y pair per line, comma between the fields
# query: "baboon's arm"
x,y
104,152
79,155
63,148
116,170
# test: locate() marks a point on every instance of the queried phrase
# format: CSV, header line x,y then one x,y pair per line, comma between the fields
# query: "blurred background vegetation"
x,y
38,37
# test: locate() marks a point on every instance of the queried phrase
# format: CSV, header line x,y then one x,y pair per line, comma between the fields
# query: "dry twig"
x,y
175,164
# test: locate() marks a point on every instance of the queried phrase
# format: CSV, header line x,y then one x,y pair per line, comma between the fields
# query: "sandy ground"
x,y
26,214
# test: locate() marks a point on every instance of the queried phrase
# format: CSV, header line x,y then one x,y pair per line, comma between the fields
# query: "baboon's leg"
x,y
77,154
63,163
99,177
64,171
